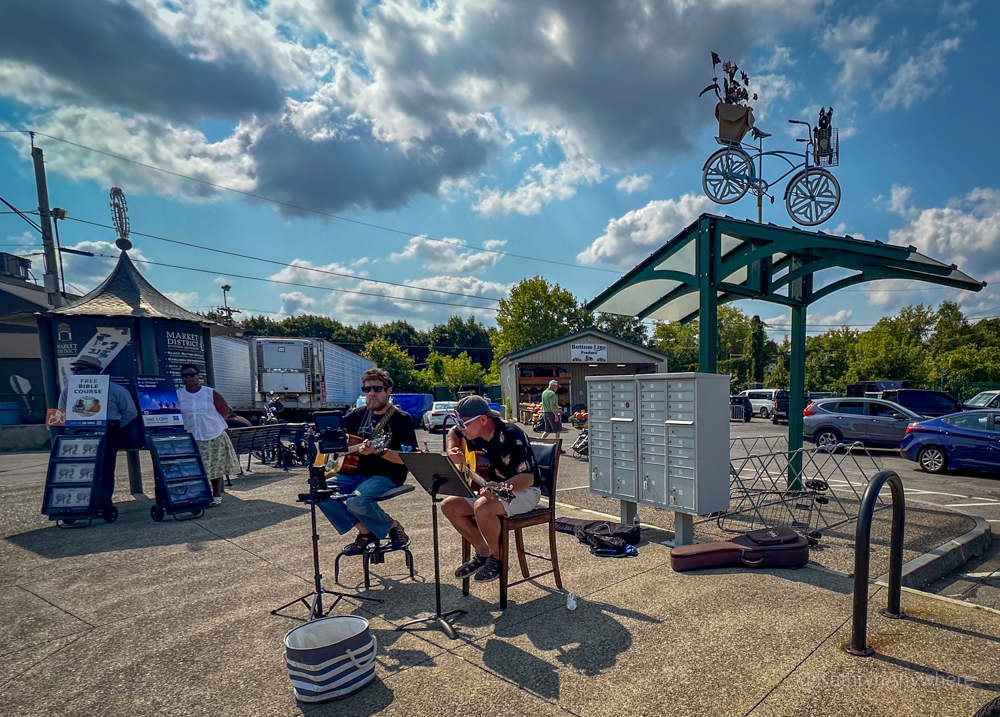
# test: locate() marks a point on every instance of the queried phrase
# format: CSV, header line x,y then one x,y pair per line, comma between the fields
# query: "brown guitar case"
x,y
768,548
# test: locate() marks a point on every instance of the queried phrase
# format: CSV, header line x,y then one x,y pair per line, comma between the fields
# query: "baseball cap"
x,y
473,406
91,361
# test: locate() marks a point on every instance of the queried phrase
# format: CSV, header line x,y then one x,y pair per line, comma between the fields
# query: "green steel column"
x,y
799,289
708,279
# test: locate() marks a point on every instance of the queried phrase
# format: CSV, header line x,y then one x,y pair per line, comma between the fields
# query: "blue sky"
x,y
562,131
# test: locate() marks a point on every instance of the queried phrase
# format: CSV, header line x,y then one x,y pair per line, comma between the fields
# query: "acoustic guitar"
x,y
476,472
346,464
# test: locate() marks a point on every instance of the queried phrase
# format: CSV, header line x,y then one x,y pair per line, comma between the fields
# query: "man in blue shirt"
x,y
123,431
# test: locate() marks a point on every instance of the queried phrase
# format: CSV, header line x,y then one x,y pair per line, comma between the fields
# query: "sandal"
x,y
489,572
469,567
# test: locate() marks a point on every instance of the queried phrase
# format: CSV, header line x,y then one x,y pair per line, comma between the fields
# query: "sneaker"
x,y
398,537
363,542
469,567
216,502
489,572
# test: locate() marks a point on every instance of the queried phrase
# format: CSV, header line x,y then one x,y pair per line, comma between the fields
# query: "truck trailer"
x,y
304,374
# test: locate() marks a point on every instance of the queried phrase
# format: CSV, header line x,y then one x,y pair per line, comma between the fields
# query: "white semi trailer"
x,y
305,375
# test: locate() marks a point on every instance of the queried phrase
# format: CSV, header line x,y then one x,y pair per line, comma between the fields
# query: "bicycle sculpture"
x,y
813,193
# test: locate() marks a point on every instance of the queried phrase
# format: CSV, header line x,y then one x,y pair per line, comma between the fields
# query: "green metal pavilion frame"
x,y
716,260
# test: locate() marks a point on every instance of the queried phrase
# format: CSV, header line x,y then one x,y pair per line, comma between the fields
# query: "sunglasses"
x,y
376,389
462,423
189,374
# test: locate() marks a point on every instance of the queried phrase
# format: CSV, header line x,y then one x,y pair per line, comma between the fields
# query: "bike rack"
x,y
862,558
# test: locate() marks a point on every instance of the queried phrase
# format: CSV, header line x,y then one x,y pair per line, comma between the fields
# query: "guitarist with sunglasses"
x,y
511,463
373,471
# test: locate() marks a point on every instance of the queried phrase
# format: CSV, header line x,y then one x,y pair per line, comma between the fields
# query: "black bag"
x,y
599,528
539,426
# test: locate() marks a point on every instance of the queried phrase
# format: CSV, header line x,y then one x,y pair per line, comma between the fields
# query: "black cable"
x,y
316,211
307,286
292,266
21,214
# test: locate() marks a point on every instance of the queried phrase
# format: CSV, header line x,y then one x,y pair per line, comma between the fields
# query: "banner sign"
x,y
84,336
179,343
588,353
87,400
158,401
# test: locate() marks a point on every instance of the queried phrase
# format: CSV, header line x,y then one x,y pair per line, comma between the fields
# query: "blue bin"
x,y
10,414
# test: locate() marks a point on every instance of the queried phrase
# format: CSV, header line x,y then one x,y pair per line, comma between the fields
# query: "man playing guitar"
x,y
376,472
511,462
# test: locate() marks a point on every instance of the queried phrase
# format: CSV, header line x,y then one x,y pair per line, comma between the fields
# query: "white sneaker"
x,y
216,502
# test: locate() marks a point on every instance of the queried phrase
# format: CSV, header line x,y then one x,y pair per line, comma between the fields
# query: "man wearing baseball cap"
x,y
123,430
511,462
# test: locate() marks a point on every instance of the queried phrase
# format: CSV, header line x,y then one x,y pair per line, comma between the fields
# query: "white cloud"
x,y
835,319
634,183
636,234
449,255
187,299
781,57
88,272
918,76
304,271
848,42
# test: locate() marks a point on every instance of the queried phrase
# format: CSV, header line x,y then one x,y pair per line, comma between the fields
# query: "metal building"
x,y
569,359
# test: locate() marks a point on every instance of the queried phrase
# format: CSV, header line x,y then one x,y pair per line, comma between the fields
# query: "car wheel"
x,y
827,439
933,459
764,413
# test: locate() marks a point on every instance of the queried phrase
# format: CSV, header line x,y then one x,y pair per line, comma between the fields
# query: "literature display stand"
x,y
178,475
74,489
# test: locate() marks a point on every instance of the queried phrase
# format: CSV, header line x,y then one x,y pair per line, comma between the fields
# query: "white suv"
x,y
761,400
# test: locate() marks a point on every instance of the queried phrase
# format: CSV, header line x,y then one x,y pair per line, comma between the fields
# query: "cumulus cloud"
x,y
303,271
634,183
834,319
187,299
918,76
848,43
88,272
449,255
635,235
341,105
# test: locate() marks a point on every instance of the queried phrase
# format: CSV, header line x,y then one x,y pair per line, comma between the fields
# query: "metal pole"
x,y
862,559
51,282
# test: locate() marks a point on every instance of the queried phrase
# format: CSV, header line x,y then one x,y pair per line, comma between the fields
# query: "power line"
x,y
307,286
292,266
316,211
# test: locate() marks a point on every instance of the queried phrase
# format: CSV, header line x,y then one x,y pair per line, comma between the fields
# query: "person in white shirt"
x,y
204,412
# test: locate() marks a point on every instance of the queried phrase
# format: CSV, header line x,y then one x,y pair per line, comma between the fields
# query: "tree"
x,y
456,335
535,311
626,328
951,330
398,363
890,350
416,343
680,344
755,357
828,358
779,377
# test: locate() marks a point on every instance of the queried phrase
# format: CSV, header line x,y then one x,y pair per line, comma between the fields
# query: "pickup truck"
x,y
779,406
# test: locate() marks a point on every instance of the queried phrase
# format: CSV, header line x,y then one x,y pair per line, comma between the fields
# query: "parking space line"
x,y
970,505
575,487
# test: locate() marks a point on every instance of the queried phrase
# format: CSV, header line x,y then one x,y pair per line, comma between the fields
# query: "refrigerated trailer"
x,y
305,375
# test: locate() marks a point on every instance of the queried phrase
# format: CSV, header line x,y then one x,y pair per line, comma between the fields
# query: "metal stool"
x,y
376,556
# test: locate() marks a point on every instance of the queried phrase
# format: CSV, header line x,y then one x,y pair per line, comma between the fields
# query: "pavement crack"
x,y
52,654
57,607
250,552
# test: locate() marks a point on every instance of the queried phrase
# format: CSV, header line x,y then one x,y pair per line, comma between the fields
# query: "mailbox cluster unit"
x,y
661,440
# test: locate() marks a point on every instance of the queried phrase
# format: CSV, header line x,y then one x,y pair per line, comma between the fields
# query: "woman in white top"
x,y
205,412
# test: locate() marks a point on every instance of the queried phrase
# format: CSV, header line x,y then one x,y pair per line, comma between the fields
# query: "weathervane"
x,y
119,215
813,193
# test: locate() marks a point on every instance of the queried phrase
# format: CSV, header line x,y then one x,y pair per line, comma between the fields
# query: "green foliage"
x,y
455,336
535,311
451,371
398,363
680,344
755,356
778,377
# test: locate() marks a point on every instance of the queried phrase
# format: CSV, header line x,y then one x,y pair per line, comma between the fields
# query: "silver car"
x,y
871,421
433,420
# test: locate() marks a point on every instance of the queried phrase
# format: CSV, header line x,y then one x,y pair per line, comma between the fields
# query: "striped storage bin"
x,y
330,657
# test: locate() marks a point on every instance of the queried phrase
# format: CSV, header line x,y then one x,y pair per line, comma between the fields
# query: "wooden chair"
x,y
547,456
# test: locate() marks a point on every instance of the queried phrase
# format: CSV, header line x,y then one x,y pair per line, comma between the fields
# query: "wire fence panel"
x,y
828,485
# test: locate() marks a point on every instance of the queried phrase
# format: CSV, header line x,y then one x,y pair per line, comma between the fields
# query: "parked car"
x,y
929,404
984,399
962,440
863,388
741,400
761,400
871,421
434,419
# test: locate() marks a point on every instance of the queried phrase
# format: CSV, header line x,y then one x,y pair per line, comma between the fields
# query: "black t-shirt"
x,y
509,453
360,422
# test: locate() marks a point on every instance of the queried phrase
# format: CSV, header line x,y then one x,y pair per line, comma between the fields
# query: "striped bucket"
x,y
330,657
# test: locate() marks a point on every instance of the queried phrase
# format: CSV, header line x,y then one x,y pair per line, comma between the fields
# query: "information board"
x,y
87,400
158,403
72,482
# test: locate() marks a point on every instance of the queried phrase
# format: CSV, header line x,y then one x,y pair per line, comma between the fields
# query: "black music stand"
x,y
438,476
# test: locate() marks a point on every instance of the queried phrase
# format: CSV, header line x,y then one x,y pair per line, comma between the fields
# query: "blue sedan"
x,y
961,440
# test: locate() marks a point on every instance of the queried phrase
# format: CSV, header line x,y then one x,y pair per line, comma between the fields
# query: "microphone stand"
x,y
316,475
438,619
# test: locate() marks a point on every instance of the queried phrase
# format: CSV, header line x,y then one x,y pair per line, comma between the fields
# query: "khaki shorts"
x,y
524,500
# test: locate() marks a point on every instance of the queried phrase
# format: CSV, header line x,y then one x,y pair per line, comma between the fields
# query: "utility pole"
x,y
51,282
225,308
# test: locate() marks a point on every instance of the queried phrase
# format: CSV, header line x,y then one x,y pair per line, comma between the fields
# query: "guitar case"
x,y
769,548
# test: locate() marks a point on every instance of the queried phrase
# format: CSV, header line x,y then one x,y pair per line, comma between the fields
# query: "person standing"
x,y
123,431
551,414
376,472
204,412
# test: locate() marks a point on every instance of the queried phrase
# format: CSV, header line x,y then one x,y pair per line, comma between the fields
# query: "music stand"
x,y
438,476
